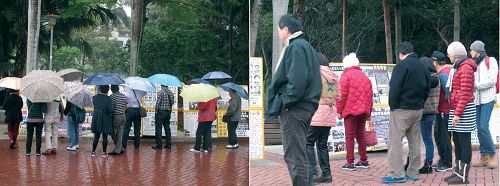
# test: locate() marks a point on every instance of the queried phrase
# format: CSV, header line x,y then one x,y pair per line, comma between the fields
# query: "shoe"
x,y
104,154
47,152
114,154
492,163
390,179
28,154
92,154
436,165
195,151
322,179
236,145
410,178
427,168
232,146
362,164
204,151
122,152
77,146
453,175
54,151
11,145
15,146
443,168
349,167
156,147
67,148
229,146
38,154
167,147
461,175
72,148
483,160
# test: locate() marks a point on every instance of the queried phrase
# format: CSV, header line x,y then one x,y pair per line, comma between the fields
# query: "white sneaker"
x,y
67,148
205,151
235,145
229,146
77,146
195,151
72,148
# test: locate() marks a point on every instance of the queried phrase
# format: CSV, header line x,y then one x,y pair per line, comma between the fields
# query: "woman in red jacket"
x,y
206,115
355,106
463,114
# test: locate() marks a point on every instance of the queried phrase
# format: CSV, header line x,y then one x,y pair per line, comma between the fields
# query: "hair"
x,y
115,88
323,60
291,22
428,64
440,62
405,48
104,89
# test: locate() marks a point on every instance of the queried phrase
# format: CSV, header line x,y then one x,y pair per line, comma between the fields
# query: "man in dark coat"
x,y
102,119
234,112
294,95
13,115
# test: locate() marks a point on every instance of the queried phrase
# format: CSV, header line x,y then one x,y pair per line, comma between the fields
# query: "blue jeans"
x,y
483,114
73,132
426,124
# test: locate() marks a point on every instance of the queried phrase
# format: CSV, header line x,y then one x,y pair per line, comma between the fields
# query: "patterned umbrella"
x,y
42,86
70,74
199,92
11,83
78,95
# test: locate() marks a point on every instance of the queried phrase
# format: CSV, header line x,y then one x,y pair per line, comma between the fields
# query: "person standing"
x,y
102,119
164,102
133,115
234,112
462,119
120,102
355,106
207,114
294,95
35,122
13,116
52,118
409,88
323,120
74,117
441,134
485,79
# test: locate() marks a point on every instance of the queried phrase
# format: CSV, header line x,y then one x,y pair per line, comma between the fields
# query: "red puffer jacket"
x,y
462,90
356,94
207,111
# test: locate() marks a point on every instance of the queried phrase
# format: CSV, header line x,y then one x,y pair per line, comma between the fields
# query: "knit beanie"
x,y
456,49
477,46
350,61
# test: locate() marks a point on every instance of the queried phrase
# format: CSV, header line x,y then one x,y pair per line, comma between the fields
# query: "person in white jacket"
x,y
485,79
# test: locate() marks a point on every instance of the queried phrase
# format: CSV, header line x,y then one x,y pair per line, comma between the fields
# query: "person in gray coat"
x,y
234,112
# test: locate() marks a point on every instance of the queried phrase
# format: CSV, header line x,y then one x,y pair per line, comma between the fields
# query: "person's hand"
x,y
455,120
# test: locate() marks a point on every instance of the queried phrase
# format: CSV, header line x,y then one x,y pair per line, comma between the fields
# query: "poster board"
x,y
256,112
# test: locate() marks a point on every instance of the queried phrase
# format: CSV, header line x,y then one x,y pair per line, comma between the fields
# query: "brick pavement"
x,y
144,166
273,171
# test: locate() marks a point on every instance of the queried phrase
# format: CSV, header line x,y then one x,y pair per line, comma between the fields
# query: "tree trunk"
x,y
298,8
456,21
280,8
137,24
254,25
230,39
397,26
33,34
344,25
387,22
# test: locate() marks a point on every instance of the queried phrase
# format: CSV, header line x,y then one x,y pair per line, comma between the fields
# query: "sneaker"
x,y
156,147
47,152
349,167
362,164
426,169
38,154
104,154
11,145
195,151
410,178
77,146
443,168
235,145
73,148
28,154
229,146
232,146
205,151
322,179
390,179
436,165
67,148
92,154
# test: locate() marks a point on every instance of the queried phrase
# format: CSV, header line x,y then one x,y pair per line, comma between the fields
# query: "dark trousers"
x,y
318,135
133,116
294,127
463,149
443,139
203,131
96,141
38,138
13,131
231,132
162,119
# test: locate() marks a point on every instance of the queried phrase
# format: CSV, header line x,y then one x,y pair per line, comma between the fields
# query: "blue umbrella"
x,y
216,75
166,80
199,80
240,91
103,79
138,83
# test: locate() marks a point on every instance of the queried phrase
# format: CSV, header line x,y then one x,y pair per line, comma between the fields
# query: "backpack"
x,y
329,89
487,60
78,114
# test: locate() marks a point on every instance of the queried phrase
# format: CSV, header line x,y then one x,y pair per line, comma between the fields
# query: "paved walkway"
x,y
273,171
143,166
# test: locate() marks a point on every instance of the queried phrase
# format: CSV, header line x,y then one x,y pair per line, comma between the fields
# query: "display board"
x,y
256,112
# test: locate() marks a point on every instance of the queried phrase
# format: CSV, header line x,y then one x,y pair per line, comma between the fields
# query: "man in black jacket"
x,y
294,95
409,88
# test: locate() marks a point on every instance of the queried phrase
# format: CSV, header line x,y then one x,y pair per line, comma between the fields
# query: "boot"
x,y
407,163
483,160
492,163
462,175
427,168
456,170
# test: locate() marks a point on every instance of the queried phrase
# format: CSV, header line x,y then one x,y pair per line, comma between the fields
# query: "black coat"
x,y
102,116
13,105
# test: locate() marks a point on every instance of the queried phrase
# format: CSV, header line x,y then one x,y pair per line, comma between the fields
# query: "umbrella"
x,y
70,74
199,80
42,86
240,91
216,75
11,83
199,92
78,95
138,83
103,79
166,80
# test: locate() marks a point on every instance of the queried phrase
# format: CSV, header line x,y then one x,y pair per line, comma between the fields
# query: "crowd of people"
x,y
113,116
425,94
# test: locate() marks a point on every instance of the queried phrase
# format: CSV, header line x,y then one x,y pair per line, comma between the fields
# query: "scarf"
x,y
454,68
478,60
287,42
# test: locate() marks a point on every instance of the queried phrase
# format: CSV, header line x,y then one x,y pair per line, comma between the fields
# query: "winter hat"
x,y
456,49
438,56
477,46
405,48
350,61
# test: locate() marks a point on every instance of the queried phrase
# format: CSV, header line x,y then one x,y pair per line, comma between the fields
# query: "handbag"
x,y
226,118
142,110
370,134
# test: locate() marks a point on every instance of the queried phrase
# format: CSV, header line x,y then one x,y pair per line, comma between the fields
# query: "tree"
x,y
137,26
298,9
254,25
344,26
387,22
280,8
456,21
33,33
397,26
